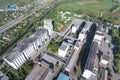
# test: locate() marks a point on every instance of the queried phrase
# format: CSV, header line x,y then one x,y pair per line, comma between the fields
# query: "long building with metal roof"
x,y
90,69
26,49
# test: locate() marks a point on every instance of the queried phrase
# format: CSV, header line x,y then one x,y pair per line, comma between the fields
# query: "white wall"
x,y
74,29
81,37
104,61
62,53
11,64
29,51
48,25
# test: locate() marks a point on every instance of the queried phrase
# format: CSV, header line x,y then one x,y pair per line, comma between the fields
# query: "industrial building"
x,y
76,25
92,64
62,51
91,67
48,24
21,53
78,45
87,26
85,29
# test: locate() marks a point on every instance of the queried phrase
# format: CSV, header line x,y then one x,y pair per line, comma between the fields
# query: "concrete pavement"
x,y
111,58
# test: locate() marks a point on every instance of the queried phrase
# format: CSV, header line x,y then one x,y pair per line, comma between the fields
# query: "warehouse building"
x,y
21,53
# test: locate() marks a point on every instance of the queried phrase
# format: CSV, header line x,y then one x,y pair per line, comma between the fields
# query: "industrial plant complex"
x,y
60,40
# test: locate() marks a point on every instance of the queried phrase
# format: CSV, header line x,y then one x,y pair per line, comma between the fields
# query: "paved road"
x,y
36,73
111,58
10,24
55,57
16,21
65,35
42,49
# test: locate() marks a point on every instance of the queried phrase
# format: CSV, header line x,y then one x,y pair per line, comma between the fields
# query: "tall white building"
x,y
48,25
26,49
62,51
83,34
74,29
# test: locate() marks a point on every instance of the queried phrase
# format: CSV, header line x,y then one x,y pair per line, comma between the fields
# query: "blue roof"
x,y
63,76
11,7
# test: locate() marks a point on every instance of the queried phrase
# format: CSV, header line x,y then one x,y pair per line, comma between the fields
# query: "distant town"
x,y
60,40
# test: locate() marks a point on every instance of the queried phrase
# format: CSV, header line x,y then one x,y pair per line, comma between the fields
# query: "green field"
x,y
5,3
89,6
93,8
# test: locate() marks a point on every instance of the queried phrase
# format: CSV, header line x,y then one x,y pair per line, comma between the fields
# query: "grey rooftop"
x,y
63,46
18,49
91,56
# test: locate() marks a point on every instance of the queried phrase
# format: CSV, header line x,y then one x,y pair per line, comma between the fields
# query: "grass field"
x,y
5,3
98,5
94,8
93,5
